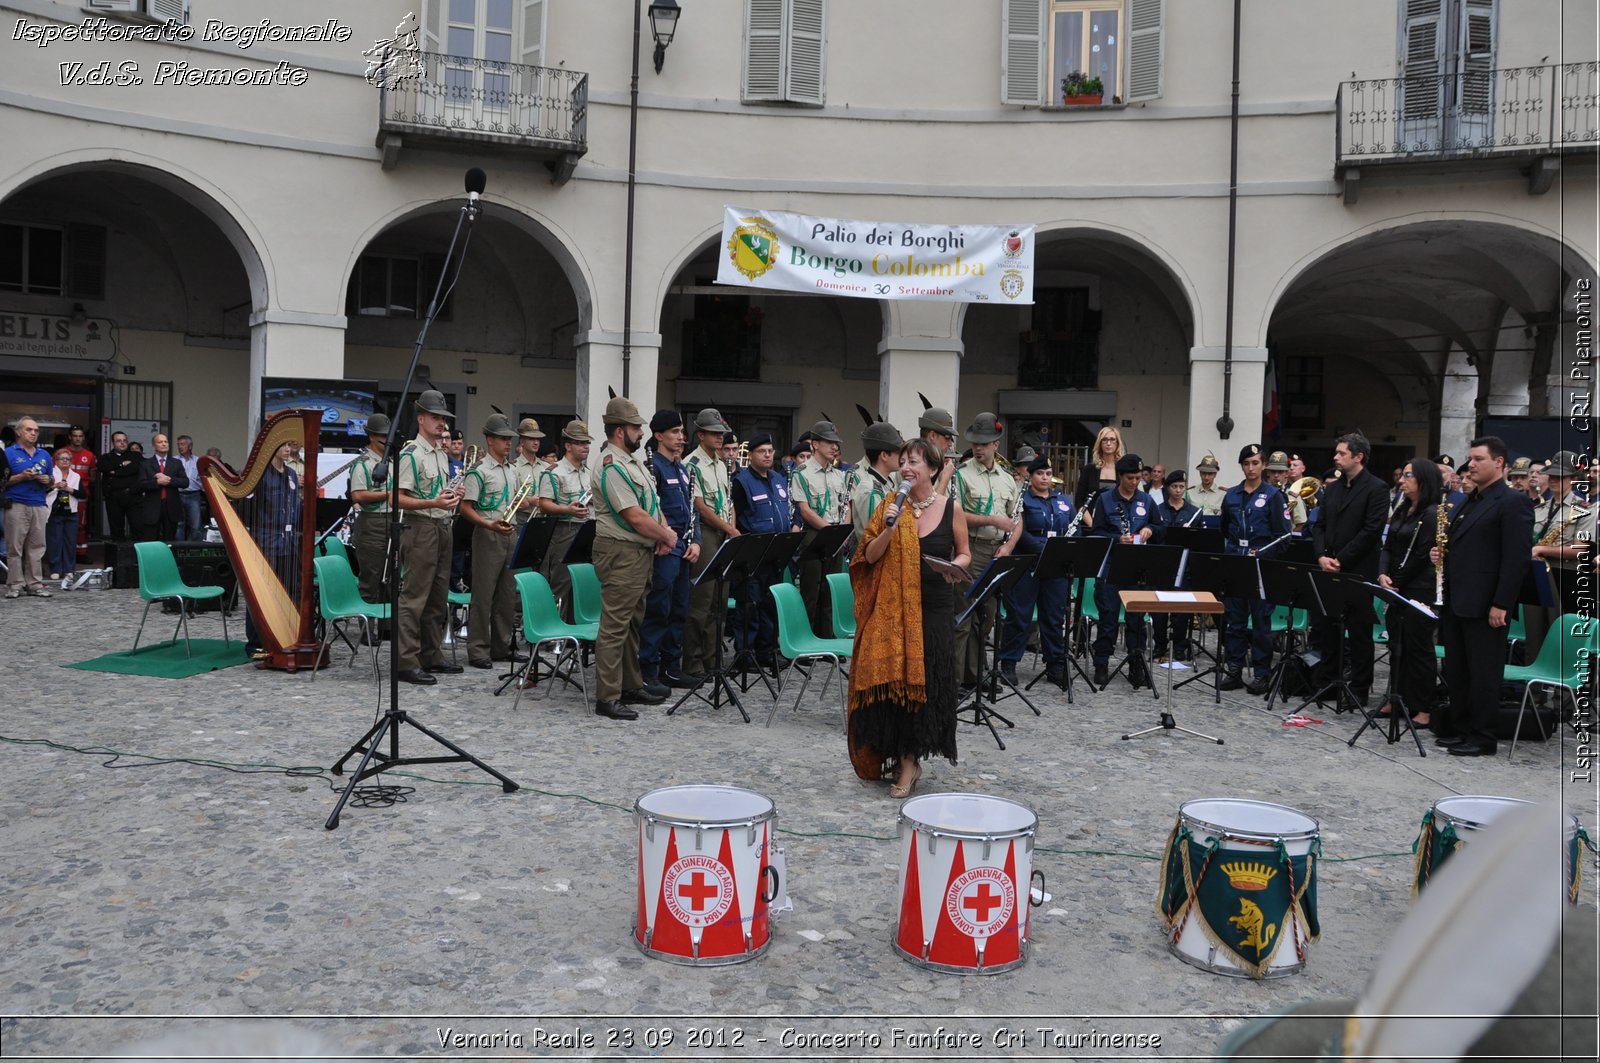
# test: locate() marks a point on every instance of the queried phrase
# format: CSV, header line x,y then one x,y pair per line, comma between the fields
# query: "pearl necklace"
x,y
919,507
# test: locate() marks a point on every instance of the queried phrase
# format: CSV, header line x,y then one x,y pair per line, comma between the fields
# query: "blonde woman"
x,y
1100,471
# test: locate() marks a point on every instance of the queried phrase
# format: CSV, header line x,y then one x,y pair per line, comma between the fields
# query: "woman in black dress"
x,y
907,713
1404,567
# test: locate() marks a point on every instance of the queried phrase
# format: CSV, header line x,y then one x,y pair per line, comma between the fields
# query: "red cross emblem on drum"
x,y
980,901
698,890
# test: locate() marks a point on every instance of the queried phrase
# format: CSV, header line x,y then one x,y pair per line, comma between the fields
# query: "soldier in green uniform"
x,y
713,501
428,504
939,429
1208,496
879,474
369,534
564,493
486,502
629,531
527,464
1278,476
990,499
820,497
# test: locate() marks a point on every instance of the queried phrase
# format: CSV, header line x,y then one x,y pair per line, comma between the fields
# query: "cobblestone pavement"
x,y
138,890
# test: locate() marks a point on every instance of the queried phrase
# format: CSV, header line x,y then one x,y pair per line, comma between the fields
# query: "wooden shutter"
x,y
531,38
1477,56
1146,48
763,51
1022,37
433,26
805,52
85,273
1421,52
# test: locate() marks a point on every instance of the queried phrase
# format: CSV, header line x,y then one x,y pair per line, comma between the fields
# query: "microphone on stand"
x,y
900,497
476,180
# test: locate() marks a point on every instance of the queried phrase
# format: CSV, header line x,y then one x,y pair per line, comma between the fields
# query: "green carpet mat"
x,y
167,660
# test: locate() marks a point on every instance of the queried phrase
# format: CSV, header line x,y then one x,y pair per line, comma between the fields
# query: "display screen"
x,y
345,406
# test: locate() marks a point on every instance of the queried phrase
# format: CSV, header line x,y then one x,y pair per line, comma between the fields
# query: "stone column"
x,y
1458,406
920,353
1205,405
600,367
286,343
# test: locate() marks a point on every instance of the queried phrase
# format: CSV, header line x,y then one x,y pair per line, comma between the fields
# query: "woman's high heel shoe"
x,y
899,792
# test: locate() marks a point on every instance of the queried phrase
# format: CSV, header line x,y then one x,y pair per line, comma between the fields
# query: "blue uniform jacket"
x,y
1252,519
1115,516
676,489
760,505
1167,517
1043,519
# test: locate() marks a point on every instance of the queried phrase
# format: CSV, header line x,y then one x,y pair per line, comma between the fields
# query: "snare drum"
x,y
1238,887
1450,823
704,858
965,869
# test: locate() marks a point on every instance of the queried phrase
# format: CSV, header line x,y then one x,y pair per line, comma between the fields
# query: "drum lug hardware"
x,y
650,830
927,950
750,839
698,831
694,947
986,843
933,842
649,933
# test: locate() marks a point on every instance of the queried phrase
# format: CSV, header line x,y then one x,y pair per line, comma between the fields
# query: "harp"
x,y
268,522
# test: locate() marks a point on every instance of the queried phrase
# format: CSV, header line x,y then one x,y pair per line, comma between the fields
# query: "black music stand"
x,y
1089,562
1140,568
1399,712
999,577
735,560
1337,594
1226,576
1291,586
533,542
1197,539
781,548
1059,560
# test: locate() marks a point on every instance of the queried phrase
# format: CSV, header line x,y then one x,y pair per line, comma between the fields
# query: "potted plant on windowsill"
x,y
1080,90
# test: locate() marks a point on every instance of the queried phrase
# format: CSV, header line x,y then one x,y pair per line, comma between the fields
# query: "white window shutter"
x,y
1147,21
433,26
763,51
1421,54
531,47
111,5
1022,37
1477,56
805,47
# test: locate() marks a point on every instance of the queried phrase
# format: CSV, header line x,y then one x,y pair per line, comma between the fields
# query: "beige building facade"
x,y
1407,249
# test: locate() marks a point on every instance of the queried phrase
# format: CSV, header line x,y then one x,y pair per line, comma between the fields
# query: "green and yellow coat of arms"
x,y
753,248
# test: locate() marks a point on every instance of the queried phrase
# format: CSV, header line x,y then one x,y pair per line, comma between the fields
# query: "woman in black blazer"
x,y
1099,471
1404,567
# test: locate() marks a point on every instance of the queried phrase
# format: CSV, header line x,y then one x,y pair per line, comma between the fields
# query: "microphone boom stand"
x,y
374,759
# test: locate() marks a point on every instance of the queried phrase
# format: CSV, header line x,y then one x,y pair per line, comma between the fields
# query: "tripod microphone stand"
x,y
374,758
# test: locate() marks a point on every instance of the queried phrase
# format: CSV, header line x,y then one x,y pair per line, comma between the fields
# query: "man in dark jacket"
x,y
1486,557
1348,534
160,509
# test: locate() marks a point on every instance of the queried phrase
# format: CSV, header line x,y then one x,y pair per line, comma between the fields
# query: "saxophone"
x,y
1441,535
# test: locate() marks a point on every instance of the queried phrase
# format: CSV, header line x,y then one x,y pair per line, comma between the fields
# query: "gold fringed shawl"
x,y
887,664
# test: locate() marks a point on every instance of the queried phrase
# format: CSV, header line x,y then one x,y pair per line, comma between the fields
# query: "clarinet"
x,y
1441,533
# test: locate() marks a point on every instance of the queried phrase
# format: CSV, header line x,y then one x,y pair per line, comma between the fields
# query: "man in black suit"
x,y
160,509
1486,558
1348,536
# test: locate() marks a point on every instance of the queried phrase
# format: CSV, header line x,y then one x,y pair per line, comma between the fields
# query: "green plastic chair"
x,y
1565,661
160,581
541,624
844,605
799,643
333,546
585,593
339,601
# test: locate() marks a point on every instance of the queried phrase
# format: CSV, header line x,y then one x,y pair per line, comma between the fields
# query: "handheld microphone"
x,y
900,497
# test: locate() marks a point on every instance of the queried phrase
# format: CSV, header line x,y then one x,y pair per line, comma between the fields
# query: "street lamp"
x,y
663,24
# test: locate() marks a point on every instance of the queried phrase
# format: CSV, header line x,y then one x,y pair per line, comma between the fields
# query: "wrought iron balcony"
x,y
1513,111
507,108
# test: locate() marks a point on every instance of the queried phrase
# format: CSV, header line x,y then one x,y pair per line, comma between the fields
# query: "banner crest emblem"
x,y
753,248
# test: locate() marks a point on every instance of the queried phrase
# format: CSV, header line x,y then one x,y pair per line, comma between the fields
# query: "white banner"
x,y
876,260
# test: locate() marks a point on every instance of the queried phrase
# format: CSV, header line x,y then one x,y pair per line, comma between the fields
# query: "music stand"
x,y
1059,560
528,553
780,551
1089,562
1290,585
1197,539
1197,602
1225,576
999,577
1140,568
581,550
1337,594
736,559
1399,712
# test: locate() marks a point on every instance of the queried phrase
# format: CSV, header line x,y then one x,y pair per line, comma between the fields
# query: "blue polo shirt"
x,y
27,492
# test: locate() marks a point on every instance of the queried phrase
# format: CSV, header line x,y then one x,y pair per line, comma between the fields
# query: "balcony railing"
x,y
508,106
1525,110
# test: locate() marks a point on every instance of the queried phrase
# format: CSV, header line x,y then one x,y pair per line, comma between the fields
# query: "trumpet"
x,y
523,492
469,462
1305,489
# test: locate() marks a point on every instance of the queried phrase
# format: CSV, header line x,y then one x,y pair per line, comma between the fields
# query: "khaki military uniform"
x,y
708,604
565,485
526,470
424,472
623,560
1209,502
369,537
991,493
492,617
871,488
822,488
